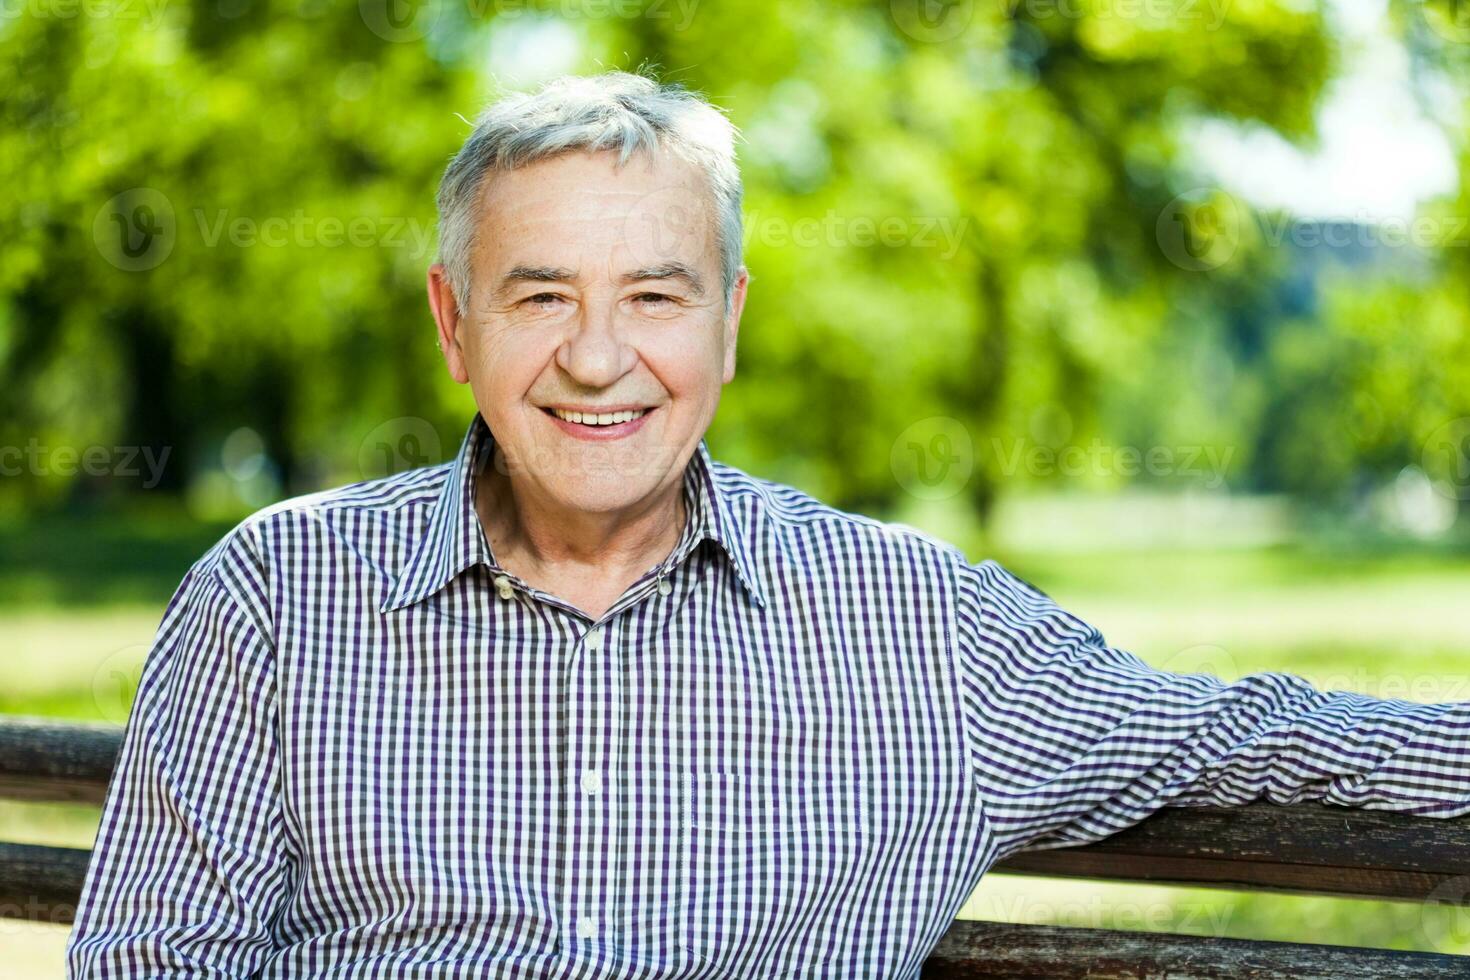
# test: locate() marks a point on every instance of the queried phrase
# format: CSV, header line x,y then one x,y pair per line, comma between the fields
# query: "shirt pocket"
x,y
764,861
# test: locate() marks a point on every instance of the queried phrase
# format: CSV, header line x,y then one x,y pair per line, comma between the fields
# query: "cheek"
x,y
505,362
689,362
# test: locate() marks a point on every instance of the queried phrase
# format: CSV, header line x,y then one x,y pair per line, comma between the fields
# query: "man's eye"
x,y
542,298
654,298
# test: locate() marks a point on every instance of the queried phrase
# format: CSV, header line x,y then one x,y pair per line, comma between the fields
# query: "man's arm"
x,y
189,868
1074,740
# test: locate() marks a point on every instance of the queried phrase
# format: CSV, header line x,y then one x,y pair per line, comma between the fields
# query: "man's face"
x,y
596,290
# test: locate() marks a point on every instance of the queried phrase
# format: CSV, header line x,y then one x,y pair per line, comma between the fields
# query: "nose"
x,y
595,353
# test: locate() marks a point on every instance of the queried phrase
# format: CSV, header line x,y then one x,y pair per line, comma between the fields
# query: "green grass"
x,y
79,604
67,563
1327,615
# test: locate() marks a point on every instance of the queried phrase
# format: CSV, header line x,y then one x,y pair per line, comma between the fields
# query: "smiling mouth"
x,y
595,420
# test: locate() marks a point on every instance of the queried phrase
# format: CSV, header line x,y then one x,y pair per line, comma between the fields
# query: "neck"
x,y
537,540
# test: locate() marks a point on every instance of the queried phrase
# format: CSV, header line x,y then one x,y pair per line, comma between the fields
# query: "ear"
x,y
732,321
446,315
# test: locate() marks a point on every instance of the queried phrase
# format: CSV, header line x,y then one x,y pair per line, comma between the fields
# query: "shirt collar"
x,y
453,539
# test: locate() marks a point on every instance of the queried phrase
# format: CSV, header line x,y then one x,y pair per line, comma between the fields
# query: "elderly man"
x,y
584,702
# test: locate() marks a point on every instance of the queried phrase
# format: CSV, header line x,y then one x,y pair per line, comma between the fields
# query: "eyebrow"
x,y
549,273
535,273
667,270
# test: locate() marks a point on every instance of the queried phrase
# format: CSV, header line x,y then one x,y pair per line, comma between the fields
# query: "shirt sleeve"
x,y
189,869
1074,740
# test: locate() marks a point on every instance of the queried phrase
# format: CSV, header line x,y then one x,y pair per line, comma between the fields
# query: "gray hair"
x,y
611,111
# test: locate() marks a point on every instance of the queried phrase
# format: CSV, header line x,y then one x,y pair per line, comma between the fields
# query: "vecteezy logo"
x,y
1203,658
397,445
399,20
135,230
1446,458
932,21
115,682
666,224
1200,229
1447,926
933,458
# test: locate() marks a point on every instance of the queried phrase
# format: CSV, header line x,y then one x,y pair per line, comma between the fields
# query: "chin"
x,y
596,496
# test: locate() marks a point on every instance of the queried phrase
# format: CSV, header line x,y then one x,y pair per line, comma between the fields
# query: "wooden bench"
x,y
1306,849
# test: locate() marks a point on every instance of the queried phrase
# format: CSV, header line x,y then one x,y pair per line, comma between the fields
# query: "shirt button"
x,y
592,780
587,927
665,586
594,639
502,585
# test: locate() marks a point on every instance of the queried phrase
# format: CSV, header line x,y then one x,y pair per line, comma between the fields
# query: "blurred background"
x,y
1163,303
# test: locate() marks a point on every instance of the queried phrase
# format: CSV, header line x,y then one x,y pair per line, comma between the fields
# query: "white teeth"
x,y
603,418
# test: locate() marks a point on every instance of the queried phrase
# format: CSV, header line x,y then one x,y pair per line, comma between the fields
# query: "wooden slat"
x,y
41,884
1305,833
1302,849
999,951
54,762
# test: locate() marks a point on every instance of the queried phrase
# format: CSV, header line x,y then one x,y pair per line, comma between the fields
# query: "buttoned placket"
x,y
591,692
588,837
590,704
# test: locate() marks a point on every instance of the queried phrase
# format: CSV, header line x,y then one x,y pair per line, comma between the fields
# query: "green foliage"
x,y
276,164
